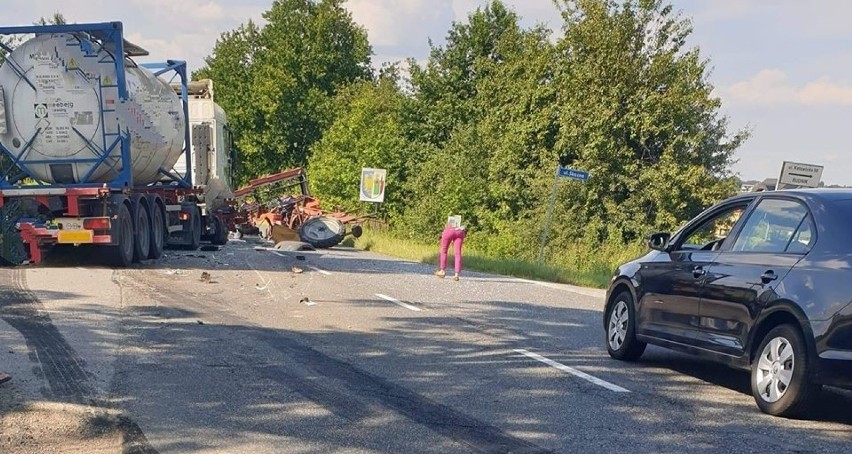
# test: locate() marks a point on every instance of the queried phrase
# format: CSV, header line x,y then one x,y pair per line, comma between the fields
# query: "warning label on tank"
x,y
40,110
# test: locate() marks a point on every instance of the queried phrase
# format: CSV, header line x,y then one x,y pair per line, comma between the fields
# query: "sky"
x,y
782,68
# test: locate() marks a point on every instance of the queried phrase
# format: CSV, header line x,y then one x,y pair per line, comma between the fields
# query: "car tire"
x,y
620,329
780,373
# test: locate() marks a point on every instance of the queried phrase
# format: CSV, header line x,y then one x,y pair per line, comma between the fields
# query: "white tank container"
x,y
61,94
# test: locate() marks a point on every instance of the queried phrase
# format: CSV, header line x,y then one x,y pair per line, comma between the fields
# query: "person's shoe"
x,y
440,273
456,277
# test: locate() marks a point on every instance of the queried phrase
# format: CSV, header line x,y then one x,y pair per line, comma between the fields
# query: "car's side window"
x,y
804,238
710,234
772,226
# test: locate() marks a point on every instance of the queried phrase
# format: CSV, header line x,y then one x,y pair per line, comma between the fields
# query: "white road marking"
x,y
398,302
323,272
572,371
593,292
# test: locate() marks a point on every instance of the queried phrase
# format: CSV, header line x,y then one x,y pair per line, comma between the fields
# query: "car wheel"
x,y
780,374
621,342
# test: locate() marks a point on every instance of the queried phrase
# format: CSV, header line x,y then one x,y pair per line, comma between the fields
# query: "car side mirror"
x,y
659,241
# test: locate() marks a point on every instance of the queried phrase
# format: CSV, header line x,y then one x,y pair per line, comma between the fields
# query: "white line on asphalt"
x,y
324,272
396,301
573,371
593,292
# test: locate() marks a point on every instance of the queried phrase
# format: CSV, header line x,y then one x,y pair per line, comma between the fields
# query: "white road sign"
x,y
798,175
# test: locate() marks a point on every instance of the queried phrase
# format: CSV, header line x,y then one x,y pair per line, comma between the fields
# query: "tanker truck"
x,y
89,146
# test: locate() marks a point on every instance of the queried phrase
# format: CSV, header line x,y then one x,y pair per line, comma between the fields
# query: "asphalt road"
x,y
357,353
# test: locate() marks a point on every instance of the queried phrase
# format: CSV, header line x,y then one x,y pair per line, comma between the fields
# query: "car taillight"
x,y
96,224
183,216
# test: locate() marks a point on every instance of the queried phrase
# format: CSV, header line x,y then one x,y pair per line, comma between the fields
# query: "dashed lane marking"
x,y
398,302
572,371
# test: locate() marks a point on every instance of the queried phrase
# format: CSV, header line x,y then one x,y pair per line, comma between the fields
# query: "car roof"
x,y
832,194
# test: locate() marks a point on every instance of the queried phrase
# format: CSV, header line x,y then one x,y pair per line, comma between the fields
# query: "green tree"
x,y
278,82
445,86
367,132
56,19
495,131
637,112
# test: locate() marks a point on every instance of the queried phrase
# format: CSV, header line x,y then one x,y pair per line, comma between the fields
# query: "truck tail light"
x,y
183,216
96,224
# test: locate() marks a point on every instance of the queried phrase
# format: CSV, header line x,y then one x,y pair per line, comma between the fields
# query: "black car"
x,y
760,281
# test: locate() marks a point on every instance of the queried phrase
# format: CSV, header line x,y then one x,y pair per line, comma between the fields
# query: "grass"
x,y
576,266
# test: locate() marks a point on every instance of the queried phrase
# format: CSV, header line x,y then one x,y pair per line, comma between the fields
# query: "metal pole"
x,y
549,215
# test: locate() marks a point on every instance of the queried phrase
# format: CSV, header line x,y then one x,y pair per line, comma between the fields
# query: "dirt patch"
x,y
43,427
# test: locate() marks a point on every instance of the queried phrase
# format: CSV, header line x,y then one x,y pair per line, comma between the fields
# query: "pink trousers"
x,y
455,236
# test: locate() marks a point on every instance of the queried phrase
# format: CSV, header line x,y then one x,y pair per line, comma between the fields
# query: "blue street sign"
x,y
565,172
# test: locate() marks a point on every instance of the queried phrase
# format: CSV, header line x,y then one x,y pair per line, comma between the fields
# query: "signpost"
x,y
561,172
797,175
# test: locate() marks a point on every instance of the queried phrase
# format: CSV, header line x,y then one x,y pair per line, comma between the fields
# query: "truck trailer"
x,y
89,149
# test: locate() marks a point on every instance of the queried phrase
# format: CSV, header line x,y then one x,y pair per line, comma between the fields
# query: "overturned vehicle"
x,y
280,208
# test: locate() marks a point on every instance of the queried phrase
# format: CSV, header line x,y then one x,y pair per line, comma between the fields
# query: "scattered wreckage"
x,y
280,208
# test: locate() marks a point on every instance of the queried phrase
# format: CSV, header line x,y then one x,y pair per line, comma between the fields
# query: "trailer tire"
x,y
220,237
195,234
322,232
122,253
142,242
158,233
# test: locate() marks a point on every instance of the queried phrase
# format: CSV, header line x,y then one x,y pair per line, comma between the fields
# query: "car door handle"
x,y
768,277
698,271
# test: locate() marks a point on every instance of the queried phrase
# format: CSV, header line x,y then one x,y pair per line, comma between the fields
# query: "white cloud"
x,y
392,23
183,11
771,86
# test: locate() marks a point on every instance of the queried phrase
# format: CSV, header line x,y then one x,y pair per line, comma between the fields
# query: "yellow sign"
x,y
76,236
72,64
107,80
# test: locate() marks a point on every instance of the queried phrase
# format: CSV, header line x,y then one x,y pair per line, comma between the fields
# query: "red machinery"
x,y
276,205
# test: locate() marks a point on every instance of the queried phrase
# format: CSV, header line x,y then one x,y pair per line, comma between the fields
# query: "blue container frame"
x,y
103,35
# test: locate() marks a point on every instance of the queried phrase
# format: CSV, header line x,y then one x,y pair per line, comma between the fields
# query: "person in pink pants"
x,y
453,235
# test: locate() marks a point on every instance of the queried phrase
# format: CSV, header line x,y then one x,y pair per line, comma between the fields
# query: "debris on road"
x,y
199,322
297,270
307,302
205,277
4,377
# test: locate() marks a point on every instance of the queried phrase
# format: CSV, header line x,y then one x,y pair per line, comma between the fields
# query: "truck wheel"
x,y
142,243
195,234
158,234
220,237
122,253
322,232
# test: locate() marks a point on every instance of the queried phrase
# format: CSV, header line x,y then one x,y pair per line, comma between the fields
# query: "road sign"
x,y
561,172
373,185
565,172
798,175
